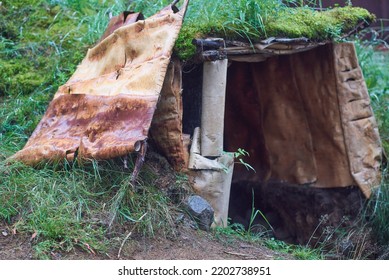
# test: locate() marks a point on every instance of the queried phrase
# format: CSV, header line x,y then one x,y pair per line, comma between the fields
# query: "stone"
x,y
201,211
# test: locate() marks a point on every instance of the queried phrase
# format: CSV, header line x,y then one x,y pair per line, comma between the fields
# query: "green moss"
x,y
253,20
184,47
315,25
18,76
302,22
349,16
40,50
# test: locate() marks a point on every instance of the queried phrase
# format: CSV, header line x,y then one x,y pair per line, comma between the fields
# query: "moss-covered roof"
x,y
254,20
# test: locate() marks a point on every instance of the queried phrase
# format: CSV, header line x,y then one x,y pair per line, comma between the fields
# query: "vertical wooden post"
x,y
213,103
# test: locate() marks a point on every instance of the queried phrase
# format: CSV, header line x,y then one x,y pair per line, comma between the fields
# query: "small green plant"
x,y
250,233
242,153
298,251
380,204
236,231
254,214
232,230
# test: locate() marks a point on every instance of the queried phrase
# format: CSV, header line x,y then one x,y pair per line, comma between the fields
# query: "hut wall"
x,y
285,113
307,123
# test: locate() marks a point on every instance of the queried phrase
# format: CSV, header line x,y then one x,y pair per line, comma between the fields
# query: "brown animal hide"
x,y
166,127
304,118
106,107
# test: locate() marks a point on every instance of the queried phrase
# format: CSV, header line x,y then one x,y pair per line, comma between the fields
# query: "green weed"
x,y
243,153
380,213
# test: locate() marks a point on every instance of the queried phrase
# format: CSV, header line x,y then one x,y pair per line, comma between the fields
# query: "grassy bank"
x,y
86,206
66,206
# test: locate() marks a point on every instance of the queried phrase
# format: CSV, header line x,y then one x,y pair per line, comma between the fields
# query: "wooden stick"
x,y
124,241
129,234
139,162
239,254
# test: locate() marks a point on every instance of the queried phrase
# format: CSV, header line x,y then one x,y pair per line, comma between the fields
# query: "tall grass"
x,y
380,217
78,205
375,69
66,206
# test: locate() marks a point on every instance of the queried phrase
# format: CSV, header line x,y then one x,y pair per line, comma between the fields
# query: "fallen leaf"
x,y
34,235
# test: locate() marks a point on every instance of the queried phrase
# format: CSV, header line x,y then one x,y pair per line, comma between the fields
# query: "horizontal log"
x,y
210,43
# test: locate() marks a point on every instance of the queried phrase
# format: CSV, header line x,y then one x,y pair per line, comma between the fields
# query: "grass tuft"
x,y
374,65
70,206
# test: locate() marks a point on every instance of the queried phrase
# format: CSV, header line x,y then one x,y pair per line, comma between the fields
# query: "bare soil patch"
x,y
189,244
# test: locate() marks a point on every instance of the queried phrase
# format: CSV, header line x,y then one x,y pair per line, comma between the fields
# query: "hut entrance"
x,y
285,113
304,119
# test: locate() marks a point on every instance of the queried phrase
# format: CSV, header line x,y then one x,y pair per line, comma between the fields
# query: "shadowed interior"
x,y
285,113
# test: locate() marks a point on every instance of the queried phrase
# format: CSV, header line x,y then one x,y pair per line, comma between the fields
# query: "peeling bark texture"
x,y
211,178
214,186
123,19
139,162
107,105
90,125
305,119
166,127
359,125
